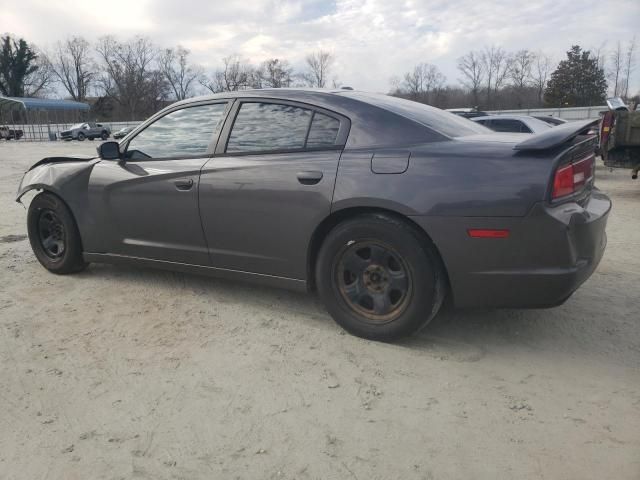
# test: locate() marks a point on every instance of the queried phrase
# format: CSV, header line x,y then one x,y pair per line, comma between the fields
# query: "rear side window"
x,y
269,126
508,125
445,123
182,133
323,132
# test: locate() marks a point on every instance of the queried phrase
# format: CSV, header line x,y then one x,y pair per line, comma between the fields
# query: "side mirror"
x,y
109,151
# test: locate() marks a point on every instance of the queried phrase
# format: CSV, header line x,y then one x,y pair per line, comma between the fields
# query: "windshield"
x,y
77,125
446,123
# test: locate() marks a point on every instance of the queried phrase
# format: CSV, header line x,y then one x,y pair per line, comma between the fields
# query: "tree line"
x,y
131,79
493,78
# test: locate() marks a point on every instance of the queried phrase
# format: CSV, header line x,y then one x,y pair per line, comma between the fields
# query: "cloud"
x,y
372,40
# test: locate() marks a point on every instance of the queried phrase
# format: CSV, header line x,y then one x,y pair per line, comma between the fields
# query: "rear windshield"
x,y
446,123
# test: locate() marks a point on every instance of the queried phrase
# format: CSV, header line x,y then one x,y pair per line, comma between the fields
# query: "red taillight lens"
x,y
573,177
563,182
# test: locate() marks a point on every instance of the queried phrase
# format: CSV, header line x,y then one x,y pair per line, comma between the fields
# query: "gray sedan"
x,y
381,205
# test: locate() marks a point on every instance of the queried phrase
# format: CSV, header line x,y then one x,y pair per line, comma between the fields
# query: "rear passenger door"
x,y
269,185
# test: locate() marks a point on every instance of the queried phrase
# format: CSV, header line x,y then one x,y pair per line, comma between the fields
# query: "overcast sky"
x,y
371,40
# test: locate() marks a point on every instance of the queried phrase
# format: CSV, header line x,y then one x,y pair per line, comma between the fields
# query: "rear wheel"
x,y
379,278
54,235
81,136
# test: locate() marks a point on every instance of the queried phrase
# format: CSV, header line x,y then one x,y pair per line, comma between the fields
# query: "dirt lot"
x,y
128,373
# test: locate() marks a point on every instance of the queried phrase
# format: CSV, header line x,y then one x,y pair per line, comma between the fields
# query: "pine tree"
x,y
577,82
17,62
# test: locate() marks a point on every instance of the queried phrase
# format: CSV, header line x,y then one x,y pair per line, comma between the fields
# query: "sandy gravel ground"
x,y
128,373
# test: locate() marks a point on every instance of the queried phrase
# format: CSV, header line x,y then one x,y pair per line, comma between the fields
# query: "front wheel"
x,y
81,136
104,135
379,277
54,235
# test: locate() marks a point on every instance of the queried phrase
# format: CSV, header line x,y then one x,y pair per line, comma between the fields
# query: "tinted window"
x,y
507,125
445,123
323,132
183,133
268,126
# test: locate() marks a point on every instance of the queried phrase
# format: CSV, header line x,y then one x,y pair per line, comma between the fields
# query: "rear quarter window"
x,y
440,121
323,132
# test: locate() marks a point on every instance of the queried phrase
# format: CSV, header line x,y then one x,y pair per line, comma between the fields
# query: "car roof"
x,y
292,93
377,120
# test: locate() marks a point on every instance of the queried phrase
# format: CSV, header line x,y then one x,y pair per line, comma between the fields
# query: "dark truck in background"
x,y
619,144
7,133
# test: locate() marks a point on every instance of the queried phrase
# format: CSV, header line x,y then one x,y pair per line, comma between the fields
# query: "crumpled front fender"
x,y
65,176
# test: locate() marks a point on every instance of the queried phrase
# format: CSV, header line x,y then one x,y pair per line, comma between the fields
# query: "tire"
x,y
379,277
104,135
54,235
91,138
81,136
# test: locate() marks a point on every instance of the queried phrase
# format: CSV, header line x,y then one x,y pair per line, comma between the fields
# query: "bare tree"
x,y
540,73
319,65
73,66
520,71
496,63
235,75
131,76
178,73
38,83
629,64
422,81
273,73
615,72
472,69
600,54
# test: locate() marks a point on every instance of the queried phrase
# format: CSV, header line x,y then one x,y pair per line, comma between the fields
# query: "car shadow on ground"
x,y
464,334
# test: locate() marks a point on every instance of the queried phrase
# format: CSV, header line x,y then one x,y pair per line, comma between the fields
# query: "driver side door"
x,y
147,204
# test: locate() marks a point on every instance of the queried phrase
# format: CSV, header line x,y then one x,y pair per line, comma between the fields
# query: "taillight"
x,y
572,178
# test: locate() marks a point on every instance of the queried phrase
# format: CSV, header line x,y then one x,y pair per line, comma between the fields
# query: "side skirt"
x,y
259,278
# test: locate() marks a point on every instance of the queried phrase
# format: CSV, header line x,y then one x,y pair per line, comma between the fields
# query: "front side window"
x,y
182,133
269,126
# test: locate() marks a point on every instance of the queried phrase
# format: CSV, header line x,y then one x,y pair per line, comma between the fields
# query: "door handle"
x,y
309,177
184,184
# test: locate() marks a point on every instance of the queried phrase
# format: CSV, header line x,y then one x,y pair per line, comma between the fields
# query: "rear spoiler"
x,y
556,136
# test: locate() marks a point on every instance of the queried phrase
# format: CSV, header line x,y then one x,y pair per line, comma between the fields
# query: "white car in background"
x,y
513,123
